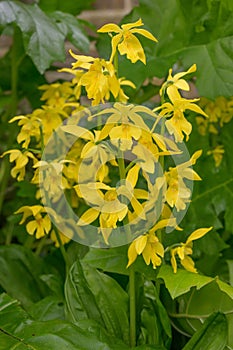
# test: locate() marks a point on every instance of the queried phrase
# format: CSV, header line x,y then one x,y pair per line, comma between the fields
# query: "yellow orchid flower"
x,y
185,249
21,159
30,127
178,124
98,77
173,83
125,40
56,94
177,193
149,245
217,153
52,178
41,225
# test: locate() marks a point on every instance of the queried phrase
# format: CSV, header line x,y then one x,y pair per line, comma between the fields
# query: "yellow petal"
x,y
132,176
128,26
140,194
192,69
144,33
115,41
89,216
132,254
198,234
78,131
140,243
31,227
188,264
108,28
138,208
147,252
131,46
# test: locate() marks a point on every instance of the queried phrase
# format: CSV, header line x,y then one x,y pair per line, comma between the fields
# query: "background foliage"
x,y
39,304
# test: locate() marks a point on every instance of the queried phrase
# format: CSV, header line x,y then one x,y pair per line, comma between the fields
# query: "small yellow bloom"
x,y
21,159
52,178
175,82
175,109
178,194
99,78
149,246
217,153
41,225
125,40
185,249
57,94
30,127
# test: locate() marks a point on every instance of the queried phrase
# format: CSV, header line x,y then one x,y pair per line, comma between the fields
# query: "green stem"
x,y
132,292
13,109
62,248
132,307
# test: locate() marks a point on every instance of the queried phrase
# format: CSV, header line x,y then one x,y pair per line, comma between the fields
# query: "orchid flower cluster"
x,y
117,175
220,112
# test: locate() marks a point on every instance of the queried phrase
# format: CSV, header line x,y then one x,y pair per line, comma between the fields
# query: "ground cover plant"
x,y
121,234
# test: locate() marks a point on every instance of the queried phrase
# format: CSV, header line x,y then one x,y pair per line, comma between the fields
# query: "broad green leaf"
x,y
80,301
12,314
91,294
70,6
43,41
72,29
211,336
181,282
20,274
49,308
18,330
108,293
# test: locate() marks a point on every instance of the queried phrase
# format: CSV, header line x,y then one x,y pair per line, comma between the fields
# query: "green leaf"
x,y
43,41
108,293
181,282
20,274
17,330
72,29
94,297
70,6
49,308
80,301
211,336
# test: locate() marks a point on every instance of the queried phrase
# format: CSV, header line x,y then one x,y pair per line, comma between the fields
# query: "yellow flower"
x,y
125,40
178,194
52,178
21,159
122,136
217,153
175,82
178,124
57,94
64,238
185,249
107,203
41,225
149,245
30,127
98,77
